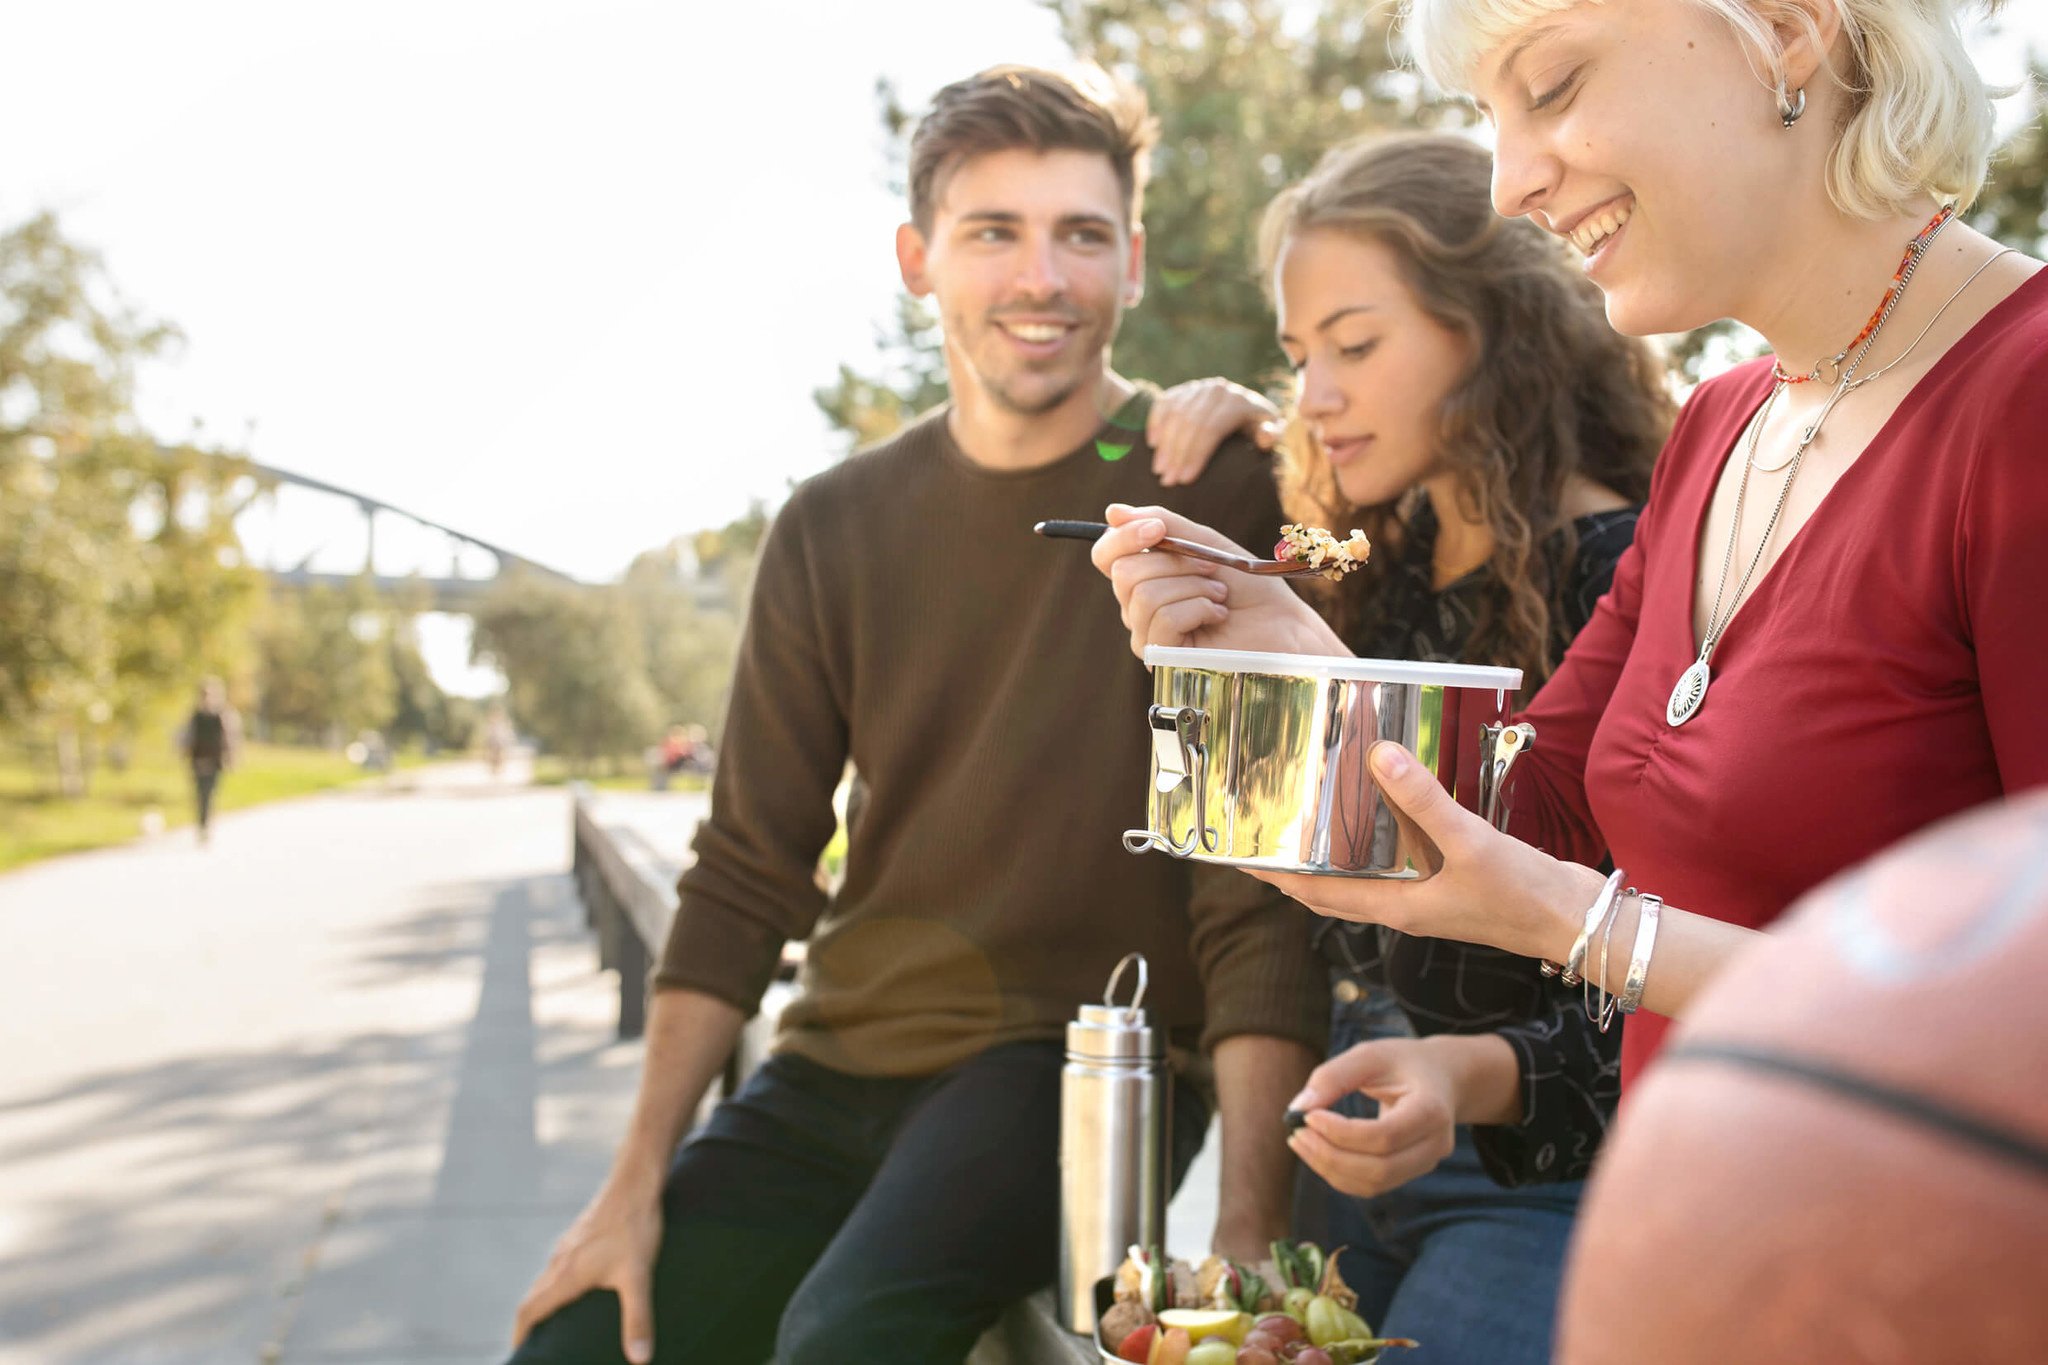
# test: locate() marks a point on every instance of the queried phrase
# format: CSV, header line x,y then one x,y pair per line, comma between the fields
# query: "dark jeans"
x,y
204,780
832,1218
1467,1267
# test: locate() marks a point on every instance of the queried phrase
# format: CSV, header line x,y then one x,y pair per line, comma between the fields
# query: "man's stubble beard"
x,y
1009,402
1002,395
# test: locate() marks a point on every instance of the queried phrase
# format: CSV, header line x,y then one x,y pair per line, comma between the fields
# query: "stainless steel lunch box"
x,y
1259,760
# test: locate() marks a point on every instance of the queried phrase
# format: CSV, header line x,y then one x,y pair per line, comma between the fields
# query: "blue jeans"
x,y
829,1219
1467,1267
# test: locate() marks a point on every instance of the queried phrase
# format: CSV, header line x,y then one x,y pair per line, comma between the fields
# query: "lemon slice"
x,y
1208,1322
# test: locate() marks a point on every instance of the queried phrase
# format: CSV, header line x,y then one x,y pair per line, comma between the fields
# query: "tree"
x,y
120,576
421,713
2014,205
575,665
324,664
1248,100
196,595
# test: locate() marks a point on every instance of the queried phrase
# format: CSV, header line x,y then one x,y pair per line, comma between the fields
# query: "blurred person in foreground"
x,y
1845,1144
211,740
1459,397
888,1180
1825,635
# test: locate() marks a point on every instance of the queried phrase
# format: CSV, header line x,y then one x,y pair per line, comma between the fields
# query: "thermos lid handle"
x,y
1109,991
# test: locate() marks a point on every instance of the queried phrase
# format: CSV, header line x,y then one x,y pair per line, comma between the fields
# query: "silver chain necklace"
x,y
1691,689
1690,692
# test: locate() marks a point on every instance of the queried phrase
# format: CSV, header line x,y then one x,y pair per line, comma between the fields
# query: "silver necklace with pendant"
x,y
1690,692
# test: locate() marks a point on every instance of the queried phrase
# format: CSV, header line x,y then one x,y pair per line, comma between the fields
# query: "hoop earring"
x,y
1789,110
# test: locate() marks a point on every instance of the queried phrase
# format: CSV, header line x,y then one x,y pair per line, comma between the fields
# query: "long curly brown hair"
x,y
1553,391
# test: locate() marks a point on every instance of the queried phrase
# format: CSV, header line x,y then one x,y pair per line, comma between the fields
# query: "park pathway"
x,y
324,1092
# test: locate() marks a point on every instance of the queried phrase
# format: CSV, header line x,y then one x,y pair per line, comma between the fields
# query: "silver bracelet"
x,y
1571,970
1639,960
1602,1013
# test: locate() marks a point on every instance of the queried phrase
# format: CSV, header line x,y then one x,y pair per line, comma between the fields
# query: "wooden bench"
x,y
628,850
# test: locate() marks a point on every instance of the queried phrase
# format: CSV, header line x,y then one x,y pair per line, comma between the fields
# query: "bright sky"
x,y
561,276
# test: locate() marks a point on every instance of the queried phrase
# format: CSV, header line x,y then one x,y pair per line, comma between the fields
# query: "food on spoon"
x,y
1319,549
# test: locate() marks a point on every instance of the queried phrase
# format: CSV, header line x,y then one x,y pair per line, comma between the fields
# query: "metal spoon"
x,y
1092,530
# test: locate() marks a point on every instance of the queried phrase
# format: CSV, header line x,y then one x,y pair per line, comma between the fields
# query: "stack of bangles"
x,y
1600,917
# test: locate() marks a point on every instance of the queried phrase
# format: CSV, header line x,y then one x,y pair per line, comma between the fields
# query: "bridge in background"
x,y
453,591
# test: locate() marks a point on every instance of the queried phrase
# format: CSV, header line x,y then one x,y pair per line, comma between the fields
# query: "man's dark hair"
x,y
1006,107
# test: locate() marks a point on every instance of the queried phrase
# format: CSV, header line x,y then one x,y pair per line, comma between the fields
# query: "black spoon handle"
x,y
1072,530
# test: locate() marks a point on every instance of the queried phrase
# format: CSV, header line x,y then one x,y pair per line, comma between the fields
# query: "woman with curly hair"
x,y
1826,635
1459,397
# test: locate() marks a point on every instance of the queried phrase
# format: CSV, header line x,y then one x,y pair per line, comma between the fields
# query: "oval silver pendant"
x,y
1688,694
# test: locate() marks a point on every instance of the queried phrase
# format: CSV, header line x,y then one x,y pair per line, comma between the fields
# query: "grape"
x,y
1330,1321
1280,1327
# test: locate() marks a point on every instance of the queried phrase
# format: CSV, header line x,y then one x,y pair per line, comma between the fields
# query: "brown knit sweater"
x,y
979,679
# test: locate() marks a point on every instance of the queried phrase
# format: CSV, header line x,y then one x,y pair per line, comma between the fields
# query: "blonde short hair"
x,y
1919,114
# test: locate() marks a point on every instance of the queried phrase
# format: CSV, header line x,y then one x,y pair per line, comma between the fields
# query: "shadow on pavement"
x,y
385,1197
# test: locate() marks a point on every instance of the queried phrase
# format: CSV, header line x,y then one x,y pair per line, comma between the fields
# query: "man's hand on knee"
x,y
611,1245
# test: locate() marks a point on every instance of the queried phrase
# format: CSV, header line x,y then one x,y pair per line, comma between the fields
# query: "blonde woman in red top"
x,y
1826,634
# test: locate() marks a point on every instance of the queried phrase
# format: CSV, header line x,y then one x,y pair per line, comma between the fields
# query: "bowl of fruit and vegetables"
x,y
1292,1309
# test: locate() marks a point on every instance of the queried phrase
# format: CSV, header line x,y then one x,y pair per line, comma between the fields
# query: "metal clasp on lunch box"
x,y
1180,754
1499,747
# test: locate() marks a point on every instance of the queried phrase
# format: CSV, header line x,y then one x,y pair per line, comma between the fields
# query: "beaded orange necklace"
x,y
1915,249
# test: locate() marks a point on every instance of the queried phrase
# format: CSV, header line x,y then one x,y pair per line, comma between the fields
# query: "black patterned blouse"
x,y
1571,1072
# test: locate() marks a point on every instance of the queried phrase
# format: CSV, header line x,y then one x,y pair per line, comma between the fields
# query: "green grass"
x,y
35,824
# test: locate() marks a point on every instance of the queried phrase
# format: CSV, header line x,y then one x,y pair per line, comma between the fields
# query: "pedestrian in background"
x,y
211,742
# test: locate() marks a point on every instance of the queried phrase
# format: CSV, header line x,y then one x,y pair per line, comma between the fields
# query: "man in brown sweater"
x,y
888,1179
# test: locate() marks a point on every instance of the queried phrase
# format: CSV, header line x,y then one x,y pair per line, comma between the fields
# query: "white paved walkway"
x,y
321,1094
324,1092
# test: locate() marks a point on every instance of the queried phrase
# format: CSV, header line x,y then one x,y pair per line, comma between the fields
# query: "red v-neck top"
x,y
1890,669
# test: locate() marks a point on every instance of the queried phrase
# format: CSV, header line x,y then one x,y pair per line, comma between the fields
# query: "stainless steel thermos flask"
x,y
1114,1125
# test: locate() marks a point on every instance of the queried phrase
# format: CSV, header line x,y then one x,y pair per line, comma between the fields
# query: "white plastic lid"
x,y
1331,666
